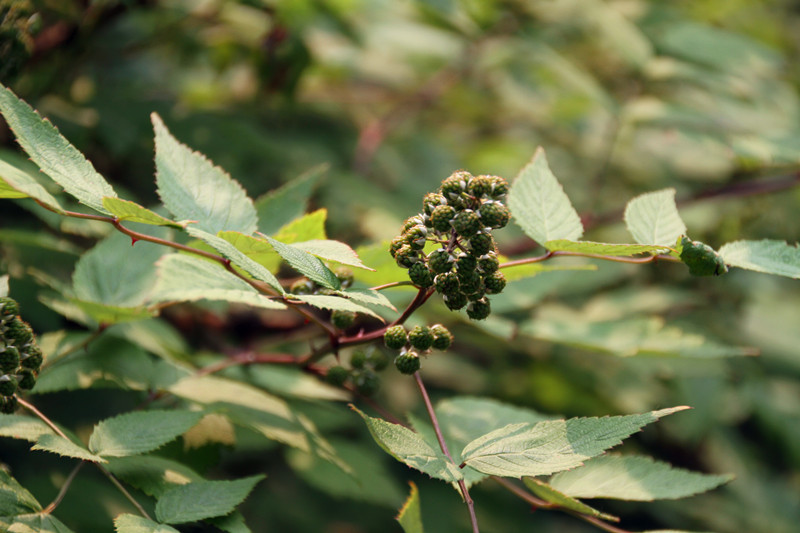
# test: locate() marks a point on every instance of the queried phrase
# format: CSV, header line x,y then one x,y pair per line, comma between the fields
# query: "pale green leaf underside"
x,y
14,183
332,251
182,278
602,248
279,207
125,210
550,494
410,515
57,444
53,153
238,258
33,523
203,499
14,498
140,432
369,297
23,427
193,188
635,478
652,218
324,301
128,523
151,474
410,448
305,263
110,314
768,256
308,227
529,449
540,206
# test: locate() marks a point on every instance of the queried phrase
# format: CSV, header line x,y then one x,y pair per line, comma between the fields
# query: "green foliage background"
x,y
626,97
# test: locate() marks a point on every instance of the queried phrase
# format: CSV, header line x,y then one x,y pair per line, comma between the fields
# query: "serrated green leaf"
x,y
151,474
279,207
603,248
193,188
652,218
182,278
768,256
332,251
310,226
203,499
386,269
410,448
633,478
53,443
331,303
33,523
542,448
290,381
107,314
23,427
53,153
125,210
128,523
549,494
410,515
140,432
539,204
231,523
369,297
306,264
240,259
14,498
15,183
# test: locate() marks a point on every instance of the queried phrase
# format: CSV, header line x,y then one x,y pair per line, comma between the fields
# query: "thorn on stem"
x,y
134,240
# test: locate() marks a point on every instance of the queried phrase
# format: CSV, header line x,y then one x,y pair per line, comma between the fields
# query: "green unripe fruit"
x,y
499,188
345,276
395,337
407,363
420,275
494,282
302,286
701,259
378,360
26,379
480,186
406,256
409,223
477,295
396,244
8,306
33,359
494,214
8,405
488,263
454,185
471,283
342,319
337,375
455,301
441,218
20,332
8,385
440,261
465,266
421,337
367,382
479,310
446,283
416,236
467,223
431,201
9,359
358,359
442,338
481,244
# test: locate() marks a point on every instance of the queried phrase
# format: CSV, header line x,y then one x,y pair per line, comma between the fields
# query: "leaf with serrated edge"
x,y
140,432
61,446
128,523
238,258
33,523
203,499
332,251
652,218
305,263
23,427
14,183
324,301
410,448
193,188
633,478
603,248
151,474
539,204
53,153
182,278
14,498
279,207
548,493
768,256
410,515
133,212
308,227
551,446
369,297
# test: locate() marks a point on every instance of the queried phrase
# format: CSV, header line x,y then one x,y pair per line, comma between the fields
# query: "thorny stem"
x,y
443,445
63,491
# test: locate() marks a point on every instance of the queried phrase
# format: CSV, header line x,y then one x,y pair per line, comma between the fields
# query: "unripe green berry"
x,y
26,379
431,201
499,188
358,359
407,363
8,405
481,244
455,301
442,338
9,359
465,266
367,382
480,186
32,359
420,275
8,306
8,385
406,256
378,360
479,310
416,236
455,184
337,375
421,337
20,332
396,244
302,286
470,283
446,283
345,276
409,223
440,261
494,214
467,223
494,282
395,337
488,263
342,319
477,295
441,218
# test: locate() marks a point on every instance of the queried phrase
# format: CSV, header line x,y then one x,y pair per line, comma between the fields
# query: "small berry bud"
x,y
467,223
32,359
440,261
481,244
8,385
337,375
378,360
8,405
406,256
455,184
395,337
431,202
396,244
416,236
488,263
358,359
421,337
9,359
441,218
407,363
499,188
479,310
367,382
455,301
342,319
420,275
8,307
480,186
26,379
465,266
446,283
494,214
409,223
470,283
442,338
494,282
20,332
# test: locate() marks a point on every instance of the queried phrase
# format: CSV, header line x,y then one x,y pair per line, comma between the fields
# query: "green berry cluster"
x,y
340,319
20,355
421,339
364,366
460,218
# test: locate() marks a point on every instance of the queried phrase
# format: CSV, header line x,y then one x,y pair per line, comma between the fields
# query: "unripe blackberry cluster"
x,y
460,218
340,319
362,373
421,339
20,355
